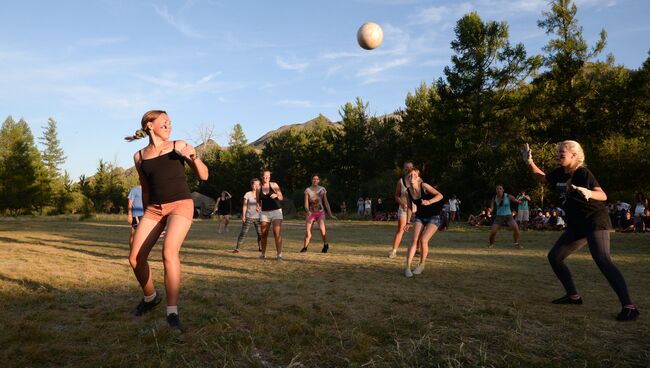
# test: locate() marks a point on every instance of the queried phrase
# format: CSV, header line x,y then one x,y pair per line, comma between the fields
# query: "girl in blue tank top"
x,y
501,202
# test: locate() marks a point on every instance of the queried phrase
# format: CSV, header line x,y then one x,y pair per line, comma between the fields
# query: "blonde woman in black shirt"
x,y
583,201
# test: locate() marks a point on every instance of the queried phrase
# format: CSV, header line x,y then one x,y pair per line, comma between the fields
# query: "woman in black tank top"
x,y
269,198
428,203
167,202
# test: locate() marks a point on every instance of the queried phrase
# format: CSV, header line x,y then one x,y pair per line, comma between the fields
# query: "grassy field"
x,y
67,295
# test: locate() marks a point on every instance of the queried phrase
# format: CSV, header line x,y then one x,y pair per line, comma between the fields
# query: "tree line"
x,y
463,130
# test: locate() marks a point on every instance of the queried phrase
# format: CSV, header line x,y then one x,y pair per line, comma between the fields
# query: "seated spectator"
x,y
478,220
539,221
555,222
626,224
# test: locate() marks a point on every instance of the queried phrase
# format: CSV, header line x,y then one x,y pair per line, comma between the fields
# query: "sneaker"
x,y
408,273
145,307
262,256
303,250
236,251
175,323
567,300
628,314
326,247
491,245
519,246
279,257
418,270
392,254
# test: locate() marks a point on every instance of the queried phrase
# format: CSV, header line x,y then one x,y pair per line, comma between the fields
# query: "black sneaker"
x,y
145,307
303,250
628,314
326,247
567,300
175,323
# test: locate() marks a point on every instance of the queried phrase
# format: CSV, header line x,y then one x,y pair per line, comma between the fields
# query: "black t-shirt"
x,y
580,213
625,223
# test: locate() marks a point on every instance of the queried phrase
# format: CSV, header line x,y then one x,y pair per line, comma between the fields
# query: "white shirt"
x,y
453,205
251,209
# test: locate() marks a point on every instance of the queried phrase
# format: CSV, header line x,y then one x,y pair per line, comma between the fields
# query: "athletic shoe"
x,y
392,254
519,246
326,247
418,270
567,300
628,314
236,251
491,245
303,250
279,257
145,307
408,273
262,256
175,323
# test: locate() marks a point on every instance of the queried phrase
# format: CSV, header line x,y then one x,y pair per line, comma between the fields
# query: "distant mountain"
x,y
261,142
320,119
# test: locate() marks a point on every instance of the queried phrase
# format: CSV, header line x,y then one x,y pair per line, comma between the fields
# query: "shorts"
x,y
523,215
316,216
223,213
503,220
135,221
401,212
433,220
160,212
268,216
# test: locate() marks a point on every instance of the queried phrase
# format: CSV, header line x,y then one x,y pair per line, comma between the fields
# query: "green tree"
x,y
561,89
21,168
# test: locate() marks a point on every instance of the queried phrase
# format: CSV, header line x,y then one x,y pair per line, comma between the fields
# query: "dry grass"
x,y
67,293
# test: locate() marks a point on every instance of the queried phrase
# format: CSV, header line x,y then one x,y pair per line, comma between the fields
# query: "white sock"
x,y
172,309
150,298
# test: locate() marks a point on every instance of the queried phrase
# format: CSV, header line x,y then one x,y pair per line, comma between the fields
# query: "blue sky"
x,y
97,66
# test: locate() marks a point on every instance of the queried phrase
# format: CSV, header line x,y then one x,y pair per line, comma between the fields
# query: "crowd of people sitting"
x,y
625,218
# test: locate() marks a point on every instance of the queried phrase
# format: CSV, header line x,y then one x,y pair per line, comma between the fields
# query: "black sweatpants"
x,y
598,240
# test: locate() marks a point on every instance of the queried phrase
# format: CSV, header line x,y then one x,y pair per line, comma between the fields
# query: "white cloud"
x,y
295,66
378,68
175,23
296,103
433,14
208,78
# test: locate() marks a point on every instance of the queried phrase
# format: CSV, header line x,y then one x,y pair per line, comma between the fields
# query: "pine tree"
x,y
53,155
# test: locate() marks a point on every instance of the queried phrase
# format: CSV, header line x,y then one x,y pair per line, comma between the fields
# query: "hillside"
x,y
261,142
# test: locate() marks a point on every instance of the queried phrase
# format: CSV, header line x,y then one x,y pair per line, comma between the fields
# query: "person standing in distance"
x,y
588,222
523,211
401,197
501,202
134,210
316,204
250,215
269,198
167,202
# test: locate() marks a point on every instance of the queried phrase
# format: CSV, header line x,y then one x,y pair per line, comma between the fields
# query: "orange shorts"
x,y
159,212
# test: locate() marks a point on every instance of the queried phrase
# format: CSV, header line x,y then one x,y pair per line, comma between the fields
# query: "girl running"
x,y
167,202
427,201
